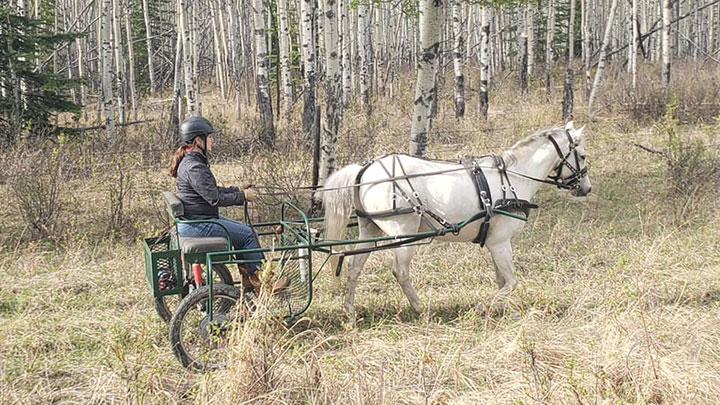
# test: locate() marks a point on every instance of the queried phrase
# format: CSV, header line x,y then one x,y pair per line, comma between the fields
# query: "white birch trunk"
x,y
586,44
131,62
549,41
346,47
484,60
634,44
603,51
233,37
425,87
665,67
149,44
219,65
187,49
363,50
568,96
106,29
530,24
307,36
285,58
333,83
267,136
119,61
459,58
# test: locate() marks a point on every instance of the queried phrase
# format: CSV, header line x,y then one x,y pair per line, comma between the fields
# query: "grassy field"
x,y
618,298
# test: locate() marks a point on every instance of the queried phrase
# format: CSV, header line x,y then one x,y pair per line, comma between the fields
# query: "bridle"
x,y
571,182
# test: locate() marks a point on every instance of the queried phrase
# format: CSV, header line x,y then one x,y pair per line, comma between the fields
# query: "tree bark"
x,y
106,23
567,110
267,135
119,61
187,49
333,83
484,60
131,62
285,58
633,48
346,58
459,58
665,71
603,51
233,37
364,51
307,8
549,41
149,44
425,86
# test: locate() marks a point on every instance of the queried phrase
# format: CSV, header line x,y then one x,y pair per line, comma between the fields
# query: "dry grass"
x,y
618,297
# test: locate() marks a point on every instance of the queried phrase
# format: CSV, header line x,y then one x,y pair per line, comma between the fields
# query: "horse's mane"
x,y
510,155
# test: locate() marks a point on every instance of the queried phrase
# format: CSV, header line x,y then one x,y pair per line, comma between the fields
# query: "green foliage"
x,y
692,165
31,93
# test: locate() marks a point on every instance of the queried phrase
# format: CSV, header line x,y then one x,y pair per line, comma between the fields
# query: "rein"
x,y
568,183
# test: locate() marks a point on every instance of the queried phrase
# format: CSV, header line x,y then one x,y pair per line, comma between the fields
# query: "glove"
x,y
250,194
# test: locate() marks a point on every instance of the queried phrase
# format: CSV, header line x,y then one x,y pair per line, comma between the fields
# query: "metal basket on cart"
x,y
163,266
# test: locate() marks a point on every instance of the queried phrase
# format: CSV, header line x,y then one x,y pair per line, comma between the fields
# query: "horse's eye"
x,y
583,157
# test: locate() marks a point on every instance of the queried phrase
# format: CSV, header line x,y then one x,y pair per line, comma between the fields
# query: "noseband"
x,y
571,182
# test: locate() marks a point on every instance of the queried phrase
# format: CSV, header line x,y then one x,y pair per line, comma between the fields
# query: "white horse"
x,y
555,153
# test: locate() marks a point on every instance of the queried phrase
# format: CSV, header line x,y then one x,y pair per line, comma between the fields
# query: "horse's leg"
x,y
502,257
401,271
368,229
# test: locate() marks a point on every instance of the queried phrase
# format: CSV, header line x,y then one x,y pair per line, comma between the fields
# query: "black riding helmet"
x,y
193,127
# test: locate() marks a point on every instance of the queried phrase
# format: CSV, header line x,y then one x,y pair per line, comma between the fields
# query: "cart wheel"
x,y
198,341
166,305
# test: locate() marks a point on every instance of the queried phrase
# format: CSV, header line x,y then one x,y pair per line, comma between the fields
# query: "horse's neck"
x,y
535,163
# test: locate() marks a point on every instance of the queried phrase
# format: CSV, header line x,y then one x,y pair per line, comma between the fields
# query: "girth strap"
x,y
483,191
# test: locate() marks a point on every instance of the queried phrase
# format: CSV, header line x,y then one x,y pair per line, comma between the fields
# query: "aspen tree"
x,y
107,90
187,51
567,109
308,49
267,136
458,58
233,37
131,62
284,35
149,45
484,59
665,67
425,87
363,50
119,60
549,41
333,83
603,52
345,51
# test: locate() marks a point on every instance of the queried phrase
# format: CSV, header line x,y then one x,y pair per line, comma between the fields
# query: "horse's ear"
x,y
576,134
570,126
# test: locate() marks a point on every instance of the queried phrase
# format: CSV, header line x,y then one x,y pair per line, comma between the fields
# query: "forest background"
x,y
618,293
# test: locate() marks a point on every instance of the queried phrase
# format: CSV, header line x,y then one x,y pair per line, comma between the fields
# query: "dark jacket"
x,y
197,189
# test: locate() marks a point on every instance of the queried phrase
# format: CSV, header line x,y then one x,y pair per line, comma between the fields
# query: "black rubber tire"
x,y
193,303
166,305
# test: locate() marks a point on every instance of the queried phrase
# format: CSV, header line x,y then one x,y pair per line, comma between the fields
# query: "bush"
x,y
35,178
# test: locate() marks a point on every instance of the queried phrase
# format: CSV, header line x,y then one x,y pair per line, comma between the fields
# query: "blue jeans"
x,y
241,235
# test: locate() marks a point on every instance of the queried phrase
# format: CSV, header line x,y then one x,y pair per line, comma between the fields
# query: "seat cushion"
x,y
193,244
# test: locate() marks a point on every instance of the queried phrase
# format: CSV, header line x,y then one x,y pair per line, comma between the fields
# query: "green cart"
x,y
195,293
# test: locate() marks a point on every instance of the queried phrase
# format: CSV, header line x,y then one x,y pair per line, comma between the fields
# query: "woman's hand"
x,y
250,194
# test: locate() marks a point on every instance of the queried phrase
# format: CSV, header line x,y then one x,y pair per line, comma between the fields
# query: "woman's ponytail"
x,y
176,159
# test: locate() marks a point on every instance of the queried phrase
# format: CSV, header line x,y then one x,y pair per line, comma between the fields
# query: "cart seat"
x,y
202,244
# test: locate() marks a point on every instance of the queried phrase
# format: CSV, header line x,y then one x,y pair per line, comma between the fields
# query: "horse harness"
x,y
474,169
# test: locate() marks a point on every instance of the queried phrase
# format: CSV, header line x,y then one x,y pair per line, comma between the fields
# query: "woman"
x,y
196,187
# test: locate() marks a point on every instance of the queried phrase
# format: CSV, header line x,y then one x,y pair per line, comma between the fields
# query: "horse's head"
x,y
571,172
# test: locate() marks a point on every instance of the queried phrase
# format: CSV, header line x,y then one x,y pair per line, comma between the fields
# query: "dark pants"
x,y
242,236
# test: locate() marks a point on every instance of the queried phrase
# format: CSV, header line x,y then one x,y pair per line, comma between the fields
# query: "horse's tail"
x,y
338,202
